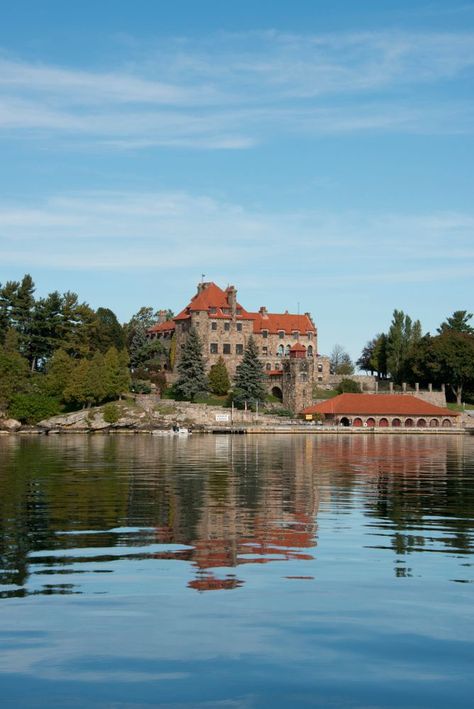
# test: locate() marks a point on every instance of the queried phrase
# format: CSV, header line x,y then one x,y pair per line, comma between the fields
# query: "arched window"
x,y
280,351
268,366
421,423
396,423
434,423
447,423
357,422
370,422
383,423
287,350
408,423
309,351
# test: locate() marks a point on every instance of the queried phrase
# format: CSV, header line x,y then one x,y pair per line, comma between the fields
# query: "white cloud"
x,y
231,91
176,232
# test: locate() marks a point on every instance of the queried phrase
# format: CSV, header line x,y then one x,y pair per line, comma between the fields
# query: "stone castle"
x,y
287,342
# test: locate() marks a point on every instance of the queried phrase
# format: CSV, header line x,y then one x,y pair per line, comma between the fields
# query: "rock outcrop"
x,y
10,425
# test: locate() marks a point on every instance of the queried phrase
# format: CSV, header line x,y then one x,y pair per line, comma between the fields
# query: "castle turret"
x,y
298,377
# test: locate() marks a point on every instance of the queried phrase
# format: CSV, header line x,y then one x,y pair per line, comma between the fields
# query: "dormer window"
x,y
295,334
213,311
281,334
264,334
310,335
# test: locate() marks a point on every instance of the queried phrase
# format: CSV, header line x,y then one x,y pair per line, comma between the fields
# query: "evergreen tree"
x,y
89,382
109,331
117,374
250,378
192,379
78,327
219,382
458,322
14,370
59,374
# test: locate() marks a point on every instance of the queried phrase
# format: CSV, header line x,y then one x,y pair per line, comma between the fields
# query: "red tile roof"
x,y
273,322
298,347
167,326
378,405
211,296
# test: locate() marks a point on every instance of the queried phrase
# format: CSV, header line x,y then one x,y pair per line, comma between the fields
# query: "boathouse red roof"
x,y
378,405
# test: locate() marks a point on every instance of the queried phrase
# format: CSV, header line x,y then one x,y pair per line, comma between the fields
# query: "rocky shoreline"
x,y
144,414
148,414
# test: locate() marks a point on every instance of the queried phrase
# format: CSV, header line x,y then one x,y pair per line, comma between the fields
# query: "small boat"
x,y
181,431
175,431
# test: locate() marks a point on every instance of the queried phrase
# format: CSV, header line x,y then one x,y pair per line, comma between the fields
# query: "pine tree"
x,y
89,382
250,377
117,375
219,382
59,373
109,331
192,379
14,370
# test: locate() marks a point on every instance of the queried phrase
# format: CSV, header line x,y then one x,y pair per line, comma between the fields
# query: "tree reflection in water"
x,y
227,501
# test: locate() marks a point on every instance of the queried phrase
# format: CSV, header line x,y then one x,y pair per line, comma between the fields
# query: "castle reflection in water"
x,y
227,501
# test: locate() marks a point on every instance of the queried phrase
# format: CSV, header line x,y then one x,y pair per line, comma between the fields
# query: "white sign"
x,y
222,417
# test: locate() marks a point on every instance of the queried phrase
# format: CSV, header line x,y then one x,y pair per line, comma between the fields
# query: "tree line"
x,y
57,353
405,354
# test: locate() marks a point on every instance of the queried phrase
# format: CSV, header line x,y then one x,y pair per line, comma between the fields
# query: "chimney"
x,y
202,286
263,312
161,316
232,299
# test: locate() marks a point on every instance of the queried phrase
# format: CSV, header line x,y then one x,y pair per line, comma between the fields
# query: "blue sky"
x,y
313,153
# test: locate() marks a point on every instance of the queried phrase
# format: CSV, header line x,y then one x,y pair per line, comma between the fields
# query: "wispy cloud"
x,y
232,91
109,231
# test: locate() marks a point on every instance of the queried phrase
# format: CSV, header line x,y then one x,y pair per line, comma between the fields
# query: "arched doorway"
x,y
447,423
434,423
345,421
371,422
383,423
408,423
277,393
421,423
396,423
357,422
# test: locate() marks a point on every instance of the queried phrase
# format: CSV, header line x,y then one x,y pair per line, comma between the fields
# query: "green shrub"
x,y
140,386
348,386
286,413
111,413
31,408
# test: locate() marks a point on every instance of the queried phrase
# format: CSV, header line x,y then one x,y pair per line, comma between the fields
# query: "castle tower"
x,y
298,377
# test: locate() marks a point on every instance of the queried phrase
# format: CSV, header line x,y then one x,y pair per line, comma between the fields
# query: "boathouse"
x,y
382,411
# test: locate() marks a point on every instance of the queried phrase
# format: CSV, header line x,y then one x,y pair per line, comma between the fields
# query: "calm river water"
x,y
251,571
